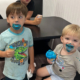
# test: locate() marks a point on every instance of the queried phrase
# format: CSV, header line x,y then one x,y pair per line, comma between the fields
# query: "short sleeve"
x,y
2,43
30,39
77,63
30,6
57,49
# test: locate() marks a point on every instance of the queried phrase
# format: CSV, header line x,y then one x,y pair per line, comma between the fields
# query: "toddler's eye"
x,y
75,40
67,38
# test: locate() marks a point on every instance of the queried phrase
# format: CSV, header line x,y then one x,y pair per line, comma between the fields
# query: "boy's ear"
x,y
61,38
7,20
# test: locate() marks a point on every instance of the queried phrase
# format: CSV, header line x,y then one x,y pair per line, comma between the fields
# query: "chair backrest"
x,y
1,17
38,5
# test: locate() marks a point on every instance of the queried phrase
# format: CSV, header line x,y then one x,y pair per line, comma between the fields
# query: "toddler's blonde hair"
x,y
71,29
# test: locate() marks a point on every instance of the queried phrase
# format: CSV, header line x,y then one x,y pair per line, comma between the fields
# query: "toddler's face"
x,y
25,1
70,41
17,19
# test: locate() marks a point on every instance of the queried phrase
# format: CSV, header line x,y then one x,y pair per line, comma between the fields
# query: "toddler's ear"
x,y
61,38
79,44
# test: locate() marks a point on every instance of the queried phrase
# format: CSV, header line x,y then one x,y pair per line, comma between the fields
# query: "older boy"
x,y
17,41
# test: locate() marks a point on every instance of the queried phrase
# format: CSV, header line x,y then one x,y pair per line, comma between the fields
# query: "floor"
x,y
39,57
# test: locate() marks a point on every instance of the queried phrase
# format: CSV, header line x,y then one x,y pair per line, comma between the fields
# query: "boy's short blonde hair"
x,y
71,29
16,7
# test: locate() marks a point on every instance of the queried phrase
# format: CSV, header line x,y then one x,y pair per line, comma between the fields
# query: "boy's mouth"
x,y
16,26
69,47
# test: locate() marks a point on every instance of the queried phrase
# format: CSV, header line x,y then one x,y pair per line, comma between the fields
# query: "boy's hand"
x,y
37,20
32,67
49,61
9,53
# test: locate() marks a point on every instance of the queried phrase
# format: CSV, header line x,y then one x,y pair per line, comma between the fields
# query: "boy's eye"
x,y
75,40
12,17
67,38
20,16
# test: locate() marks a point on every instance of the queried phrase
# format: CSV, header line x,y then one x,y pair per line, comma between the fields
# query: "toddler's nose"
x,y
70,42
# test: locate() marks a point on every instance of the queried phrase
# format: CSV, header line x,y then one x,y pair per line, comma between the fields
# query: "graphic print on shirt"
x,y
20,47
60,62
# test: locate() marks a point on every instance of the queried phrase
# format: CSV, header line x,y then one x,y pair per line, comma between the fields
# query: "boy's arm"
x,y
31,54
2,46
7,53
2,53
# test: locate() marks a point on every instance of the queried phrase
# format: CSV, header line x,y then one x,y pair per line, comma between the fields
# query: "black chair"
x,y
38,5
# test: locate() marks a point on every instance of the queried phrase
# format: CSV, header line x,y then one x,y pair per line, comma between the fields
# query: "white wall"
x,y
67,9
48,7
3,6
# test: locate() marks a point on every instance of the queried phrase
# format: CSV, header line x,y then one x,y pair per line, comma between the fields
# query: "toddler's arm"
x,y
51,56
49,61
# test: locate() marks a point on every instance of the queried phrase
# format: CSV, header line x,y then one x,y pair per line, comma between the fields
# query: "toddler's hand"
x,y
49,61
9,53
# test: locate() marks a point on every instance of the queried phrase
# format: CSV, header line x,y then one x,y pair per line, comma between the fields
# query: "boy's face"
x,y
71,40
25,1
16,19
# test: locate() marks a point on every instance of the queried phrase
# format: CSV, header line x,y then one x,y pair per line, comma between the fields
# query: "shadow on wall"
x,y
1,17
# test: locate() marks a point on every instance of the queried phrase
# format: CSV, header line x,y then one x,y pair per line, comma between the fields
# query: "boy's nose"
x,y
16,20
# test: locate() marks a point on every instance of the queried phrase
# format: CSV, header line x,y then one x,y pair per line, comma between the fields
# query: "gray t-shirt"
x,y
16,66
66,65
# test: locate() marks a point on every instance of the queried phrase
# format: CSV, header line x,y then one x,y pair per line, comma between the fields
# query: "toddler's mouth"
x,y
69,47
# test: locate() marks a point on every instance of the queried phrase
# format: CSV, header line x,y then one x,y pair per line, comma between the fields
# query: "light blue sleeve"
x,y
2,43
30,39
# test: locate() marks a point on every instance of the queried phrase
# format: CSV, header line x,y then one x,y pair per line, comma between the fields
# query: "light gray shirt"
x,y
68,64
